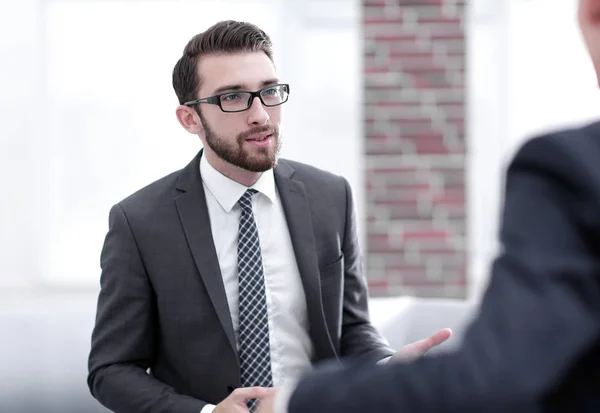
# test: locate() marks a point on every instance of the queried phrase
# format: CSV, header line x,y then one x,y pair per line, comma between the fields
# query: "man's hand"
x,y
267,404
236,402
419,348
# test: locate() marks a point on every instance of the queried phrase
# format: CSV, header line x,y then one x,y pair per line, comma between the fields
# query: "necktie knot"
x,y
245,200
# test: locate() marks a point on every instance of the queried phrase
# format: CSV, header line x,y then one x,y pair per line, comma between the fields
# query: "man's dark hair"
x,y
225,37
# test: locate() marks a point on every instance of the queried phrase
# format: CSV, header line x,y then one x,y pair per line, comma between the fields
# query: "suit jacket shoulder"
x,y
152,194
323,188
314,179
155,201
308,171
573,154
568,159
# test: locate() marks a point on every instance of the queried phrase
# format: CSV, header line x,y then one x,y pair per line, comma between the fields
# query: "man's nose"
x,y
257,115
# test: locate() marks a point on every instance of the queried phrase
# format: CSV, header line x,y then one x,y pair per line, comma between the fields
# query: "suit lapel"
x,y
299,220
195,220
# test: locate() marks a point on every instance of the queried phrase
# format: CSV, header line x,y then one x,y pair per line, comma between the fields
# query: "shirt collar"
x,y
227,191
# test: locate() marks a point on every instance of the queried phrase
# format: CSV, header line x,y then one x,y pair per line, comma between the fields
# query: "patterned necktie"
x,y
255,350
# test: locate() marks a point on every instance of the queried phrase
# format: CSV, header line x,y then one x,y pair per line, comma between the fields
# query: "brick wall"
x,y
414,61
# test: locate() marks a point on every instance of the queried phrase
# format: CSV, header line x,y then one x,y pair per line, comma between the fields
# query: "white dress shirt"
x,y
291,346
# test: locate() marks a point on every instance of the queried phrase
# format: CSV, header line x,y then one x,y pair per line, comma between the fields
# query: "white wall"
x,y
528,73
87,113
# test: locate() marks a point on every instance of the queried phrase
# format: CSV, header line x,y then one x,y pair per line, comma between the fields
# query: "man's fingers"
x,y
439,337
422,346
246,393
417,349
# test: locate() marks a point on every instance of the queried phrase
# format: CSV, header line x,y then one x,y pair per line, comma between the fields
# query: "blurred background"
x,y
418,103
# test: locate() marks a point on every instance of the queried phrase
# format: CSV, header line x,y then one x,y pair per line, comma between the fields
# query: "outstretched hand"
x,y
419,348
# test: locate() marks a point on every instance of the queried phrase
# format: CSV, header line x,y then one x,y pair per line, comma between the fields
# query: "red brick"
x,y
373,69
411,64
450,198
388,104
370,19
453,35
431,145
439,284
417,185
400,198
430,234
378,284
377,169
431,80
441,18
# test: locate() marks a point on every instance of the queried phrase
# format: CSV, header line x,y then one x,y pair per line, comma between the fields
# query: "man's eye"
x,y
230,97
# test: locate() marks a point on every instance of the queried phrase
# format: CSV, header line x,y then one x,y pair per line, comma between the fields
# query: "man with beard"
x,y
238,272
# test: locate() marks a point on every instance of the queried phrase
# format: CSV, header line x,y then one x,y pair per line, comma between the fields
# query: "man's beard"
x,y
259,160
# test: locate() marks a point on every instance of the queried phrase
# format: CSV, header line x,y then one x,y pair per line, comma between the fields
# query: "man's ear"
x,y
589,11
189,119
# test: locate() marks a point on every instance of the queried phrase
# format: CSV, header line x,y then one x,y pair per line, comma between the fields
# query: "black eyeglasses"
x,y
240,101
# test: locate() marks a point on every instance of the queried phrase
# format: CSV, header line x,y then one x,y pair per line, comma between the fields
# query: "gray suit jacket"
x,y
163,339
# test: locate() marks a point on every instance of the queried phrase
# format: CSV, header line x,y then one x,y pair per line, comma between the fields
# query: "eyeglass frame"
x,y
216,99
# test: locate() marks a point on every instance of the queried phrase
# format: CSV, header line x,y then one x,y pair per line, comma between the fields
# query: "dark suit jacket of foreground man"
x,y
163,305
535,346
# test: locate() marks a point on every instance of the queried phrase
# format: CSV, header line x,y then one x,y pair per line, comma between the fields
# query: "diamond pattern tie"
x,y
255,349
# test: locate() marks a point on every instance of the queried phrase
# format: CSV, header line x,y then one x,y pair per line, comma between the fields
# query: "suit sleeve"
x,y
123,339
538,318
360,339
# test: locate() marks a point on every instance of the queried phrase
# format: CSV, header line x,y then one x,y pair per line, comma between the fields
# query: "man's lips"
x,y
259,136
